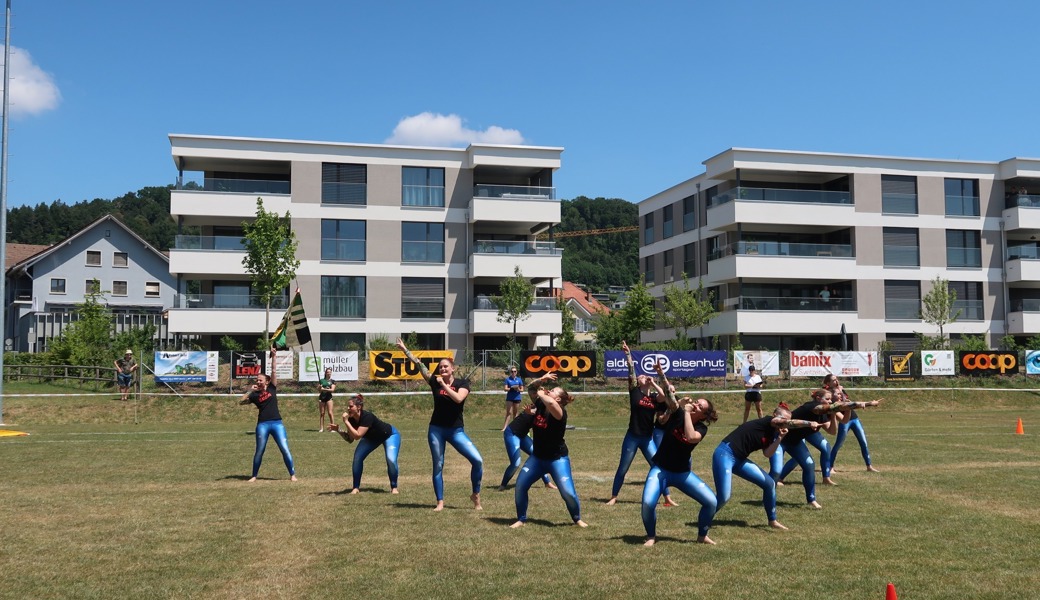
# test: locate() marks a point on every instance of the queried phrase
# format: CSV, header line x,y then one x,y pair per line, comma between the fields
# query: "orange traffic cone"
x,y
890,593
1018,428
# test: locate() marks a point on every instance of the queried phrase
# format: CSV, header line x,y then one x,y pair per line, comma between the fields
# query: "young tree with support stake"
x,y
938,306
270,245
514,303
685,308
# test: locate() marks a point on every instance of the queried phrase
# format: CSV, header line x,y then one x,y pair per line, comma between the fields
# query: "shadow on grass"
x,y
248,477
539,522
346,491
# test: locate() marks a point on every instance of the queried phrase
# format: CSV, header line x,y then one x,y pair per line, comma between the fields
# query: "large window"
x,y
690,259
422,186
648,270
342,239
422,242
901,247
963,248
422,298
689,213
344,183
669,259
902,300
648,228
969,300
962,197
343,297
898,194
666,226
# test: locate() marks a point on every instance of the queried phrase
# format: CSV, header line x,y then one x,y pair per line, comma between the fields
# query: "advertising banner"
x,y
987,363
1032,362
188,365
344,365
565,363
897,365
687,363
394,365
284,368
938,362
767,362
844,364
247,365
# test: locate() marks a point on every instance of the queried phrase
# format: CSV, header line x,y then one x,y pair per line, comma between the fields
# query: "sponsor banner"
x,y
987,363
767,362
247,365
572,363
188,365
284,369
673,363
1032,362
937,362
843,364
344,365
897,365
394,365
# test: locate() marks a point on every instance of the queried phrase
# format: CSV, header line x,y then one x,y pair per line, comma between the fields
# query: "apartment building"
x,y
798,247
392,239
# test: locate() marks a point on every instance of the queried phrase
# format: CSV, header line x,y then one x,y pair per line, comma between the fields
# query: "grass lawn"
x,y
94,505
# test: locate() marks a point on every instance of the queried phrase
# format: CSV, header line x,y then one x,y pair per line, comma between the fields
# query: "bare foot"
x,y
872,469
476,501
394,491
705,540
252,480
612,501
777,525
501,488
517,525
669,502
581,523
835,470
829,481
550,485
355,491
292,478
780,483
439,507
815,505
649,542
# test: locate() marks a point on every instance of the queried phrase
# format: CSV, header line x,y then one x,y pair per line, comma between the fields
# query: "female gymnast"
x,y
359,424
325,388
831,382
446,424
819,410
264,395
516,439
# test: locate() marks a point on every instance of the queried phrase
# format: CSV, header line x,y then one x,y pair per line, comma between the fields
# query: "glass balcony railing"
x,y
902,256
232,301
1028,305
1030,251
789,303
783,249
344,307
899,204
971,310
209,242
962,206
246,186
422,195
429,252
525,192
506,247
342,249
418,307
963,257
482,302
902,309
1024,200
344,193
782,195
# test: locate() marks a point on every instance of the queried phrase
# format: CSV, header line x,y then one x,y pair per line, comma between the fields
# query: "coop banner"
x,y
394,365
283,368
767,362
565,363
1032,362
897,365
344,365
674,363
988,363
188,365
845,364
247,365
937,362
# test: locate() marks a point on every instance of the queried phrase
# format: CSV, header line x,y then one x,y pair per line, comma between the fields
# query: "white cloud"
x,y
429,129
33,90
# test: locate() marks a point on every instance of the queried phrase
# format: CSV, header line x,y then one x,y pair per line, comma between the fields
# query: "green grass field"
x,y
95,506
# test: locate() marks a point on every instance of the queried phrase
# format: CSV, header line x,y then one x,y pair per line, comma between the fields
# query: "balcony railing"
x,y
782,195
246,186
418,307
351,307
344,193
209,242
783,249
902,256
962,206
229,301
342,249
525,192
488,303
1025,200
901,204
902,309
1030,251
422,195
428,252
507,247
971,310
789,303
963,257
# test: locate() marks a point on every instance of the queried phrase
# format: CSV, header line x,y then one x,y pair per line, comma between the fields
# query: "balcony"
x,y
525,208
497,259
247,186
793,209
782,195
543,318
774,322
218,314
1024,267
790,303
207,255
206,207
1024,214
227,301
767,259
1025,320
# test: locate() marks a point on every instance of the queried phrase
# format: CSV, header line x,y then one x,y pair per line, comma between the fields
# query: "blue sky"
x,y
638,94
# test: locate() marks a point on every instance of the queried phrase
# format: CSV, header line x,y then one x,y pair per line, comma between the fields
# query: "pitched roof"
x,y
583,298
16,253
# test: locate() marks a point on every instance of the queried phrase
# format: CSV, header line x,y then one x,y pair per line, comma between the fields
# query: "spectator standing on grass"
x,y
325,388
514,389
264,395
125,368
365,428
752,392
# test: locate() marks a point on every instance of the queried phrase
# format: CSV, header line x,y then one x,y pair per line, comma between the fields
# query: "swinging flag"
x,y
293,330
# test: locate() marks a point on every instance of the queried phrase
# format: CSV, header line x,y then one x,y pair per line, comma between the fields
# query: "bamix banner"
x,y
844,364
687,363
565,363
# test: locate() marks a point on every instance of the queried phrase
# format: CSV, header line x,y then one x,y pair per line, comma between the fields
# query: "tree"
x,y
627,324
938,305
566,340
88,341
270,245
684,308
515,299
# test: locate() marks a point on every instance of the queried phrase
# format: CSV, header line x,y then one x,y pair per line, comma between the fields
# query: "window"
x,y
962,197
118,288
690,259
151,289
343,297
669,257
120,259
902,300
235,294
91,286
422,298
422,242
898,195
689,210
666,226
648,270
93,258
342,239
330,342
969,300
963,248
57,286
648,228
422,186
344,184
901,247
428,340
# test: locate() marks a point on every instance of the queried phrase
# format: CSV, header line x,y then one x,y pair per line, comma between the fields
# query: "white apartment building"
x,y
799,246
392,239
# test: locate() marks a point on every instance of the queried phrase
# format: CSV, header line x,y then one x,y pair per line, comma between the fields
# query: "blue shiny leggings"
x,y
644,443
277,429
458,439
800,454
514,444
816,440
861,436
391,446
724,464
560,469
686,482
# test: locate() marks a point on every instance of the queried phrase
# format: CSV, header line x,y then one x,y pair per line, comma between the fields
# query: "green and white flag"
x,y
293,330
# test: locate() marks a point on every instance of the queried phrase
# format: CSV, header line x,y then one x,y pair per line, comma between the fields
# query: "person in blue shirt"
x,y
514,393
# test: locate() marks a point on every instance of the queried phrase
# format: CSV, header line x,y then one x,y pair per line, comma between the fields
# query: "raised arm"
x,y
632,383
536,384
551,405
669,396
422,368
274,366
688,429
